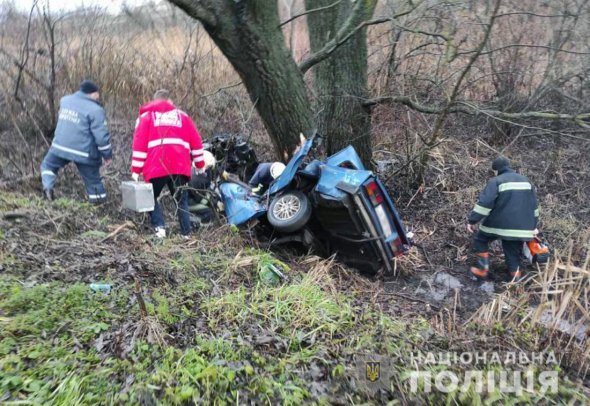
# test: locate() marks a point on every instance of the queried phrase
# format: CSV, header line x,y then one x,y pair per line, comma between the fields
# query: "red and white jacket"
x,y
165,142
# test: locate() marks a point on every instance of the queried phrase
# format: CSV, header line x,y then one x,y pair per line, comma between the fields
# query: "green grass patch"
x,y
296,310
46,340
11,201
94,234
291,343
65,203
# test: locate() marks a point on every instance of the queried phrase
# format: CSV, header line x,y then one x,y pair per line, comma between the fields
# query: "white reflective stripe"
x,y
536,212
197,151
514,186
199,159
504,232
104,148
140,155
167,141
101,196
138,164
484,211
72,151
48,173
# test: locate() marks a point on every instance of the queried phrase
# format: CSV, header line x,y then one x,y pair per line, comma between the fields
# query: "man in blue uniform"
x,y
508,211
82,137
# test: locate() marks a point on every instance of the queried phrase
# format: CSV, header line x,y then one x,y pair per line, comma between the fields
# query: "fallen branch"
x,y
412,299
139,295
52,220
13,215
123,226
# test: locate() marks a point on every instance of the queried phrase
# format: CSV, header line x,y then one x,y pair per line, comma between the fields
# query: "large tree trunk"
x,y
248,34
340,82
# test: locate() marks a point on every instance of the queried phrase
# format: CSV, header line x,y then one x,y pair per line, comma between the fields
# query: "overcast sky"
x,y
112,6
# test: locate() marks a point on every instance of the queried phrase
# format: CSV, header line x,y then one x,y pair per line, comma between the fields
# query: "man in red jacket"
x,y
166,144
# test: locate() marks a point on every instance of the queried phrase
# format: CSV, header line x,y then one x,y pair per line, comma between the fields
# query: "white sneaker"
x,y
160,232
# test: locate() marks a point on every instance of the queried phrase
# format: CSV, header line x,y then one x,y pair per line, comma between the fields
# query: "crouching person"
x,y
200,193
81,136
166,144
264,175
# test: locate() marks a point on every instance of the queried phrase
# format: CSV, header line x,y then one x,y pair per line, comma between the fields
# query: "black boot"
x,y
48,194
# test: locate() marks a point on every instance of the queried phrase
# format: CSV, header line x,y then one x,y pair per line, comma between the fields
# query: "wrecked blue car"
x,y
334,206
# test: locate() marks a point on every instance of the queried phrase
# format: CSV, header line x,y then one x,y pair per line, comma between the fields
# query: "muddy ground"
x,y
68,242
432,277
435,272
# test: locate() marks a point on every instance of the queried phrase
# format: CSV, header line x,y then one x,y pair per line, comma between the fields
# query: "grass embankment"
x,y
214,329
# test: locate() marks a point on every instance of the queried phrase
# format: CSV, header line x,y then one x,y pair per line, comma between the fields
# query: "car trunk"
x,y
345,234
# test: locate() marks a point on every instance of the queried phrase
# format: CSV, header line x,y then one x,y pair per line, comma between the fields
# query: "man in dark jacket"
x,y
508,208
264,175
200,192
82,137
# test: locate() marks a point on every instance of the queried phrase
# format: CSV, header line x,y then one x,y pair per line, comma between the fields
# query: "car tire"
x,y
289,212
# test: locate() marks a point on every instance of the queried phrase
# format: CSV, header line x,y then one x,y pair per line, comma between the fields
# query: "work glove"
x,y
135,176
200,171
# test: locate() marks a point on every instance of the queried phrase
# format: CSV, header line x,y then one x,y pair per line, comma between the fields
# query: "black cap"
x,y
500,164
88,86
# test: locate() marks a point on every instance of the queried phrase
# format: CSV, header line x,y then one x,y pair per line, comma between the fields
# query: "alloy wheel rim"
x,y
286,207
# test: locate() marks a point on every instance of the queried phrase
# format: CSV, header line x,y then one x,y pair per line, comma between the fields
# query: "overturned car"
x,y
334,206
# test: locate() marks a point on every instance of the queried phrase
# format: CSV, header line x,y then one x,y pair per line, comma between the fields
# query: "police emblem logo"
x,y
373,369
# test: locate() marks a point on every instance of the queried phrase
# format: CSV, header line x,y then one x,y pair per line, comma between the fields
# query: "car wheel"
x,y
289,212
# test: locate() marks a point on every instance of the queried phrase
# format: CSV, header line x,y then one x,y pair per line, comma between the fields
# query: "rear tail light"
x,y
397,247
374,193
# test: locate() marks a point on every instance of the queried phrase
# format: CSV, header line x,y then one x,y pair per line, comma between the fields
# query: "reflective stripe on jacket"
x,y
166,142
508,207
81,134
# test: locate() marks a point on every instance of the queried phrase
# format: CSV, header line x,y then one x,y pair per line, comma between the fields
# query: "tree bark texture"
x,y
248,34
340,81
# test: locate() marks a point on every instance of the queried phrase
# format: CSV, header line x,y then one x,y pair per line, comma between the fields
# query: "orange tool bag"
x,y
536,251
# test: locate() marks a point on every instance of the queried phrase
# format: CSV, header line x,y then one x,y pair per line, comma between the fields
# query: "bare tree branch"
x,y
24,53
221,89
531,14
453,96
314,10
525,46
24,69
582,120
430,34
347,31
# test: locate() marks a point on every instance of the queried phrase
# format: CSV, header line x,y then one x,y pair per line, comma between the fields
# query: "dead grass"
x,y
552,312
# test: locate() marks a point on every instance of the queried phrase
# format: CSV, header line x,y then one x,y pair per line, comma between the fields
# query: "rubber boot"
x,y
482,265
516,275
48,194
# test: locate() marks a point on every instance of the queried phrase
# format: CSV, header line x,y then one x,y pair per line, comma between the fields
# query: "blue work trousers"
x,y
90,174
